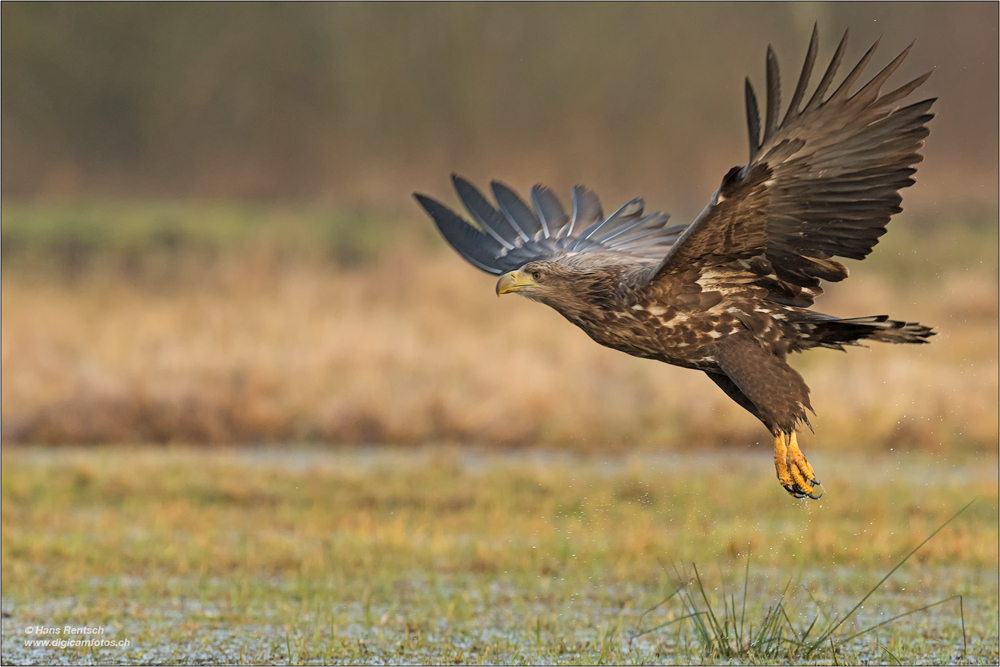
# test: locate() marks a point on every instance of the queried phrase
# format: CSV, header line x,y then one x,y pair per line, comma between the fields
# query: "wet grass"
x,y
727,633
441,555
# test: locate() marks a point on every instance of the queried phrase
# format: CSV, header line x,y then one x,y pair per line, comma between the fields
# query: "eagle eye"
x,y
537,275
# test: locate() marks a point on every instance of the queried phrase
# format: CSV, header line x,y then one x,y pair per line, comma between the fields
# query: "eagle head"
x,y
539,281
577,292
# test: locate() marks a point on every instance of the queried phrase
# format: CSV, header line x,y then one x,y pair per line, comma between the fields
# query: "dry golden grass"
x,y
414,348
452,509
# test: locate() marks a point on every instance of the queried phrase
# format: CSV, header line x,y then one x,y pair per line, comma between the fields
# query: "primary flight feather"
x,y
729,294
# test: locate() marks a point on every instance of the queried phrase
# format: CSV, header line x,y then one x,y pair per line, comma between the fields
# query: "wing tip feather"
x,y
753,118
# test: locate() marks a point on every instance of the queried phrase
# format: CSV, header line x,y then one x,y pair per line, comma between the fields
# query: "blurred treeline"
x,y
365,102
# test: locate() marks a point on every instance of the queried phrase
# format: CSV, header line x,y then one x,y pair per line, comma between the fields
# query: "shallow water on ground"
x,y
462,556
500,624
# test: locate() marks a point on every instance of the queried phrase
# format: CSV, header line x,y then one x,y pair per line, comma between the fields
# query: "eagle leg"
x,y
794,471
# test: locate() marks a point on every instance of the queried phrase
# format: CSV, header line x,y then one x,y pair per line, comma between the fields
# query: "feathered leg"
x,y
776,394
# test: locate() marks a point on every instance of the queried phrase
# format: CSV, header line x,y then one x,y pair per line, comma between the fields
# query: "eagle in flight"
x,y
729,294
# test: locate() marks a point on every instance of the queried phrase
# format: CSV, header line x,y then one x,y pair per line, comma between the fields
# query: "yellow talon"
x,y
794,471
781,461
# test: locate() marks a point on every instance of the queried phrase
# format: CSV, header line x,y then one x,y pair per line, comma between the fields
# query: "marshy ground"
x,y
445,555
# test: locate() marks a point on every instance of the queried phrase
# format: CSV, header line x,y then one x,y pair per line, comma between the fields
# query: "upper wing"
x,y
821,183
505,239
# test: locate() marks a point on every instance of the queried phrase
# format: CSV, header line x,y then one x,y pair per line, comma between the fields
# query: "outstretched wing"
x,y
822,183
507,237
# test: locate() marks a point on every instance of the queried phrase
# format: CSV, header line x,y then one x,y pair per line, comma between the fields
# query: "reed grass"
x,y
730,635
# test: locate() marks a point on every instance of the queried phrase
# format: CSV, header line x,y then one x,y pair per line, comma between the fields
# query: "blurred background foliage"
x,y
208,233
364,102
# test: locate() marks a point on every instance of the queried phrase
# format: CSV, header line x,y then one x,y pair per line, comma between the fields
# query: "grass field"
x,y
443,555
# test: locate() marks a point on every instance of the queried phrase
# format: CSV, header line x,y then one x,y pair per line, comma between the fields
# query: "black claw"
x,y
796,491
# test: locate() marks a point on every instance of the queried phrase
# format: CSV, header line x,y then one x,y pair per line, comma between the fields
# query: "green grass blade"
x,y
606,641
700,628
889,652
663,625
965,644
659,604
805,634
896,618
717,630
886,577
746,583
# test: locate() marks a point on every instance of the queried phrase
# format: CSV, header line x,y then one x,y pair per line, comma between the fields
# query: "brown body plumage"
x,y
730,293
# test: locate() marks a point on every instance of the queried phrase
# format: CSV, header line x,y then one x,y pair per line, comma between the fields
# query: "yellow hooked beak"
x,y
514,281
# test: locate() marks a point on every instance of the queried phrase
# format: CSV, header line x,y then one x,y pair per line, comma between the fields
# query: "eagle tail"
x,y
835,333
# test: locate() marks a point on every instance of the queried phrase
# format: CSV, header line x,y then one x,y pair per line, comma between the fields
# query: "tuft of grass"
x,y
732,637
728,635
